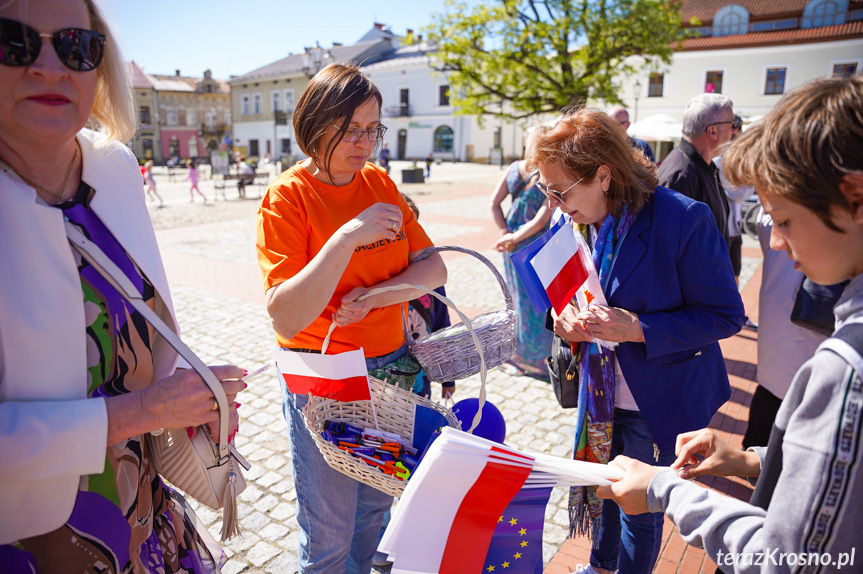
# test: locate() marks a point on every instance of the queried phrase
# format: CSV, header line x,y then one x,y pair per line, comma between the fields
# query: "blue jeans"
x,y
630,543
339,518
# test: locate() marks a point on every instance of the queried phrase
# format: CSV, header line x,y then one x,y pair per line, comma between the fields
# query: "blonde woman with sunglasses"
x,y
83,376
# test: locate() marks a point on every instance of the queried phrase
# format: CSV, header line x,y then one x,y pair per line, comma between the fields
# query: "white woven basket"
x,y
450,354
391,409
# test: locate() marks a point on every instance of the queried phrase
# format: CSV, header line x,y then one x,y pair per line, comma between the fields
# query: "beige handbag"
x,y
205,470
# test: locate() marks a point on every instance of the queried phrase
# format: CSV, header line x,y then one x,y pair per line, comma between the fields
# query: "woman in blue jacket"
x,y
665,271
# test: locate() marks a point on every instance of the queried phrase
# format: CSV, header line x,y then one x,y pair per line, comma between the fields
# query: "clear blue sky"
x,y
235,37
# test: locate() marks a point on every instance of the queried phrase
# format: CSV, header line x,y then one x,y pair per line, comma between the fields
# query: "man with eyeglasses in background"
x,y
621,116
708,122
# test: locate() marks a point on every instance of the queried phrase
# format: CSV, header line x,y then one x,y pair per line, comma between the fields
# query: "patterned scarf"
x,y
595,414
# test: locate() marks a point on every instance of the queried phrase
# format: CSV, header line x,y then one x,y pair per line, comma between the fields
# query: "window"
x,y
211,119
824,13
289,100
245,105
733,19
775,83
713,82
228,116
253,148
147,145
656,84
193,146
443,95
174,147
286,146
145,115
277,97
191,118
257,104
404,102
768,25
443,139
172,117
844,70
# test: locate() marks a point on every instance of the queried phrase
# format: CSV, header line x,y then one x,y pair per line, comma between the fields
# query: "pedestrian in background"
x,y
384,157
150,182
806,161
84,376
708,122
429,162
621,116
664,270
330,229
526,219
193,177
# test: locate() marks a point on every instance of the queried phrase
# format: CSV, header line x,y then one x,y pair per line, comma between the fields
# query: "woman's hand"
x,y
612,324
630,493
351,310
380,221
703,452
570,327
184,400
505,243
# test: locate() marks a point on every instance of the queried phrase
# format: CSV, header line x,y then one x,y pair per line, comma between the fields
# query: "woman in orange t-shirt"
x,y
330,229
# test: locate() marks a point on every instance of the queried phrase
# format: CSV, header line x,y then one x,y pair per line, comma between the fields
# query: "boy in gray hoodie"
x,y
806,160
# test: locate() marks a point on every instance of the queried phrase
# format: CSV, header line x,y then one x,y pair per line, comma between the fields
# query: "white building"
x,y
257,96
421,121
752,51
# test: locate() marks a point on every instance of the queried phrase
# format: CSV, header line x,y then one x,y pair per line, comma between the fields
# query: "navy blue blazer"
x,y
674,272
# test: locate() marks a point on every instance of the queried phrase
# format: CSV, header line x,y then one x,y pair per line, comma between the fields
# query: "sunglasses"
x,y
78,49
558,195
373,135
736,124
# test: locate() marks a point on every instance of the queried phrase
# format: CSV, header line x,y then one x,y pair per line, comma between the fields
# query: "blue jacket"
x,y
674,272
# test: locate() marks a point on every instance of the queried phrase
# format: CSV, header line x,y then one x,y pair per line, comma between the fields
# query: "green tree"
x,y
518,58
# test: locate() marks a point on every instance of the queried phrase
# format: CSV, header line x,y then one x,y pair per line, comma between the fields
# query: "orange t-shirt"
x,y
299,214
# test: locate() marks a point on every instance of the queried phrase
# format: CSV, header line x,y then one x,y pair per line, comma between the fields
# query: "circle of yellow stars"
x,y
506,564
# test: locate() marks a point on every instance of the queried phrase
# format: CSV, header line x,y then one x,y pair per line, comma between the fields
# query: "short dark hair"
x,y
805,146
587,138
333,94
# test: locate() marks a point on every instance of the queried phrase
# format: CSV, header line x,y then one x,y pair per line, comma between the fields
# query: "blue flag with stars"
x,y
516,546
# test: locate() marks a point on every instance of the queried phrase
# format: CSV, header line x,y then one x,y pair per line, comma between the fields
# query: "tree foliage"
x,y
518,58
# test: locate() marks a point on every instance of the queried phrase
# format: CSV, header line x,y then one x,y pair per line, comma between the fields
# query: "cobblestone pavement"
x,y
210,258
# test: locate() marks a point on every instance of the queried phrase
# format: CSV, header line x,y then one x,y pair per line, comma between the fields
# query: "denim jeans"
x,y
630,543
339,517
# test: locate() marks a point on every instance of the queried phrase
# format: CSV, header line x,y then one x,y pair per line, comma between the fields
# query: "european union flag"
x,y
516,546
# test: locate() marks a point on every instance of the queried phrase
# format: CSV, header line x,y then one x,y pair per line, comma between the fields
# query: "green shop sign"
x,y
418,125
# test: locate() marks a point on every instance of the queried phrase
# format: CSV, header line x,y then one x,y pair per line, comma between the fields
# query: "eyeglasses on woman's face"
x,y
558,195
354,134
78,49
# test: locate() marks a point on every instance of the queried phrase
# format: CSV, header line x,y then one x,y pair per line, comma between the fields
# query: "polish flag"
x,y
471,505
342,377
560,267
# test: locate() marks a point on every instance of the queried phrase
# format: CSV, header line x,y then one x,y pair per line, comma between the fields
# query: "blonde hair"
x,y
113,113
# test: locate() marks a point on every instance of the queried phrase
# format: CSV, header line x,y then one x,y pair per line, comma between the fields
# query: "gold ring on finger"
x,y
215,405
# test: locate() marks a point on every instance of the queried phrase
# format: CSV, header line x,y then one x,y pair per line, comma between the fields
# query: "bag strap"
x,y
119,281
523,184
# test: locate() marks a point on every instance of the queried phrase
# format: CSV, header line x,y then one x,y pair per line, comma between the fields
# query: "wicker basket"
x,y
391,409
394,411
450,354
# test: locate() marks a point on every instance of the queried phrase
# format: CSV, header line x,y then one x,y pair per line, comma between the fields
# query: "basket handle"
x,y
500,280
465,320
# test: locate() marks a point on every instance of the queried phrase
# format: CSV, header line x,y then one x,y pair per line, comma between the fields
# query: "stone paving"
x,y
210,258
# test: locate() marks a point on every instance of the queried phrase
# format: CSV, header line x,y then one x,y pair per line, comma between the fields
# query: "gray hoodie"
x,y
812,489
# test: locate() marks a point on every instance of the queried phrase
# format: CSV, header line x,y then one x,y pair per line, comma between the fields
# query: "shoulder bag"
x,y
205,470
563,372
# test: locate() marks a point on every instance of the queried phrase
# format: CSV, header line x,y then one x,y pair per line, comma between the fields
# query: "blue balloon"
x,y
491,426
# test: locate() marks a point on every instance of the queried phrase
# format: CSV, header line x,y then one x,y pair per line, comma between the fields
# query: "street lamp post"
x,y
636,89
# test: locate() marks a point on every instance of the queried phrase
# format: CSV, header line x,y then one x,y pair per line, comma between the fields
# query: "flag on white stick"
x,y
342,377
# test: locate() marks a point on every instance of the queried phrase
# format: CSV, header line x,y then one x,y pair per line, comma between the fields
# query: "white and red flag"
x,y
342,377
446,518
